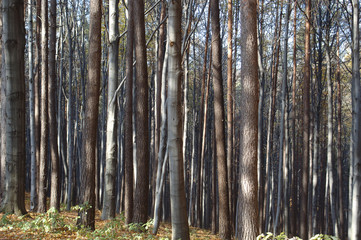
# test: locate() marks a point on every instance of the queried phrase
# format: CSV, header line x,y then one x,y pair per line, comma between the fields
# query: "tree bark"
x,y
14,44
128,120
142,111
31,109
55,176
230,146
44,127
180,228
355,213
219,116
247,209
306,128
91,118
111,139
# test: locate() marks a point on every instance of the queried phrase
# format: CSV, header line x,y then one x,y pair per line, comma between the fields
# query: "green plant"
x,y
324,237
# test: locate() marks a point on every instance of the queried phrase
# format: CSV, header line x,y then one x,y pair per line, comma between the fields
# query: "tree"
x,y
44,127
128,120
247,208
32,108
142,123
355,213
55,176
306,128
14,44
91,118
178,199
224,222
111,140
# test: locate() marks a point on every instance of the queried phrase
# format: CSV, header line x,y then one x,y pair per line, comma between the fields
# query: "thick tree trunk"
x,y
55,176
177,192
111,139
44,128
306,128
91,118
14,44
219,116
247,209
142,113
128,120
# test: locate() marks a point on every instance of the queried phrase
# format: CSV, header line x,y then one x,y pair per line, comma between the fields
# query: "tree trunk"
x,y
282,128
70,117
230,109
306,128
91,118
177,192
31,109
162,155
355,213
247,209
224,222
55,176
111,140
14,44
128,120
142,114
293,201
44,128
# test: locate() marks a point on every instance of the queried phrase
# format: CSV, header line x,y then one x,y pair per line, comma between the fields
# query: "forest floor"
x,y
62,225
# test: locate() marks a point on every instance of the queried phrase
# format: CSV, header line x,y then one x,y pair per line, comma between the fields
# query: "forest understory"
x,y
62,225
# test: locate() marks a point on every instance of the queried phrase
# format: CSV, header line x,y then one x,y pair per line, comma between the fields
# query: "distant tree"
x,y
306,128
247,209
177,192
91,118
14,44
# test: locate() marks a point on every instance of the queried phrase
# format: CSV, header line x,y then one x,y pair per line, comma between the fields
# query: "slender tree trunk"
x,y
224,222
293,202
247,209
306,128
44,128
111,140
91,117
355,213
14,44
230,109
128,120
55,178
31,109
341,214
70,155
162,155
202,124
158,81
142,131
282,128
